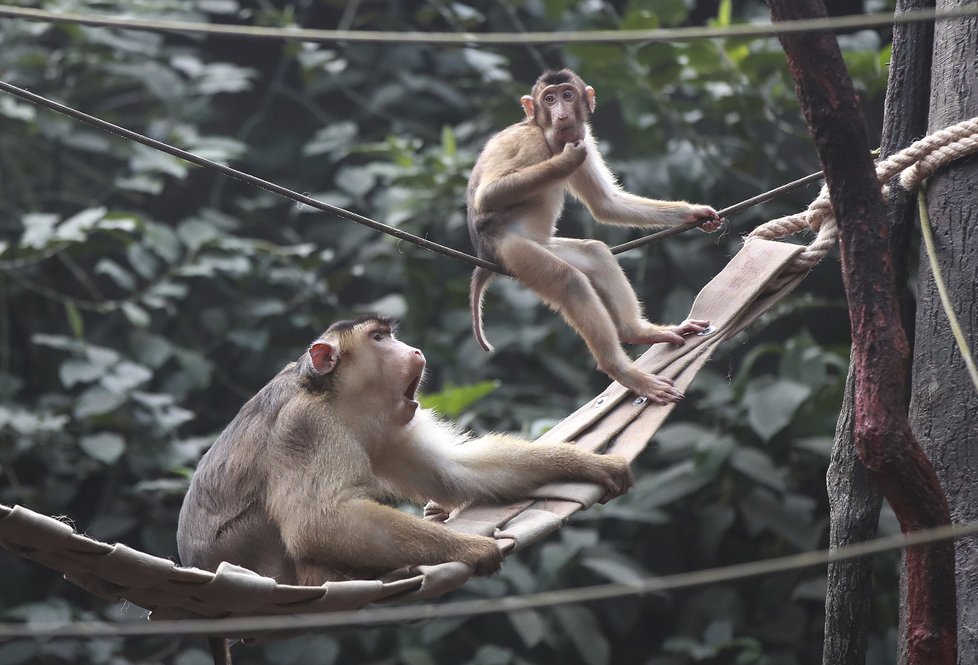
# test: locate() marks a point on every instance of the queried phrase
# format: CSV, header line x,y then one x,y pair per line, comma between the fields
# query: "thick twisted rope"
x,y
913,164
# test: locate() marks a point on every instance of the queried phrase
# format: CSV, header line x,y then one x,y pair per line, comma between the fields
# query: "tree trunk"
x,y
854,499
944,409
880,351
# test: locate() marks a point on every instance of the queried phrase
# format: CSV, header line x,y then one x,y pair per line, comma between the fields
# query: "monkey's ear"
x,y
527,102
591,99
323,356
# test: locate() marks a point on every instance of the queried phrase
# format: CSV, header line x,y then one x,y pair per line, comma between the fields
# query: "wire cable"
x,y
378,616
682,34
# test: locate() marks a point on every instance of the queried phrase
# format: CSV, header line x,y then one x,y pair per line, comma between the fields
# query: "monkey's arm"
x,y
498,467
516,165
598,188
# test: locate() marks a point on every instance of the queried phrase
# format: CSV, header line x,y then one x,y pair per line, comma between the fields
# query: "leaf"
x,y
529,626
97,401
448,140
453,400
670,485
789,517
75,320
492,654
75,370
77,227
38,229
11,108
334,139
122,277
758,466
416,656
196,232
614,569
126,376
193,657
771,409
136,315
724,13
59,342
104,447
584,632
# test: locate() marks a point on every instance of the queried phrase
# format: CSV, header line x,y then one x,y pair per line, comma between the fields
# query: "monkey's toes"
x,y
484,556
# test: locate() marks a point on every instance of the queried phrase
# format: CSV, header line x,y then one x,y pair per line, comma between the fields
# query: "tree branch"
x,y
880,350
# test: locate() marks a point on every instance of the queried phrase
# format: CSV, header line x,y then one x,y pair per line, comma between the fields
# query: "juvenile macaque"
x,y
292,488
515,196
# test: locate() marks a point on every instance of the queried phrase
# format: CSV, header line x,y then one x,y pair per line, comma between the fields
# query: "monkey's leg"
x,y
594,259
569,291
363,534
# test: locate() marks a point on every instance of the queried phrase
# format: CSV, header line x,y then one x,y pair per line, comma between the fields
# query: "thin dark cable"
x,y
352,216
245,177
377,616
730,210
683,34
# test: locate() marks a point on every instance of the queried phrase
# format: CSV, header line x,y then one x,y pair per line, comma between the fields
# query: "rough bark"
x,y
944,409
854,499
880,350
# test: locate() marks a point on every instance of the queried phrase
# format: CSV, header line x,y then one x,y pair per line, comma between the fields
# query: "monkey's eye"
x,y
378,336
550,99
568,95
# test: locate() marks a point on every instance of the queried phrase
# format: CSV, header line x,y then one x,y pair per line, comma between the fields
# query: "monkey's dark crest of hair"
x,y
556,77
341,327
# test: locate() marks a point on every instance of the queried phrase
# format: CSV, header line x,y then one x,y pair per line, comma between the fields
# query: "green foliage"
x,y
142,300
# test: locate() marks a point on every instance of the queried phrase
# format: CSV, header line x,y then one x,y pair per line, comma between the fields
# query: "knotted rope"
x,y
913,164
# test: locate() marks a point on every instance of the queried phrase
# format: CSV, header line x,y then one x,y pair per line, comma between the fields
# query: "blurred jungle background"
x,y
143,300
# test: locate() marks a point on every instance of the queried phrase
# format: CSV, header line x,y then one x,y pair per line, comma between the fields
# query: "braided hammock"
x,y
759,276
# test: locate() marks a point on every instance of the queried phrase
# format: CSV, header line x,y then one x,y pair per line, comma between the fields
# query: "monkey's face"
x,y
565,109
380,373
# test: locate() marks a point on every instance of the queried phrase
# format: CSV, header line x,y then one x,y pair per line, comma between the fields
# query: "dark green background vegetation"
x,y
142,300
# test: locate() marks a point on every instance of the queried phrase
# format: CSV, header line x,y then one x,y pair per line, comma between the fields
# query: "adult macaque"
x,y
292,488
515,196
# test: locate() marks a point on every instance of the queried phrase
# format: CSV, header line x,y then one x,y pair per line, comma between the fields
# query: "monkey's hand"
x,y
616,476
482,553
571,157
708,218
653,334
433,512
689,327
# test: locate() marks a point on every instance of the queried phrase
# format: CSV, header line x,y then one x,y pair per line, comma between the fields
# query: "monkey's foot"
x,y
483,554
657,388
616,477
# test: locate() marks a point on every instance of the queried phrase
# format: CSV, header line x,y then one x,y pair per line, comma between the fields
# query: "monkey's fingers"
x,y
435,513
691,327
711,224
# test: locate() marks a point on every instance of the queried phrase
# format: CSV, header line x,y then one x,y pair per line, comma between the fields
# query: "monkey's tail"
x,y
221,649
480,279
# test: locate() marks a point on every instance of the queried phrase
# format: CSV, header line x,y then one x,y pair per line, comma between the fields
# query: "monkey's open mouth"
x,y
412,388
